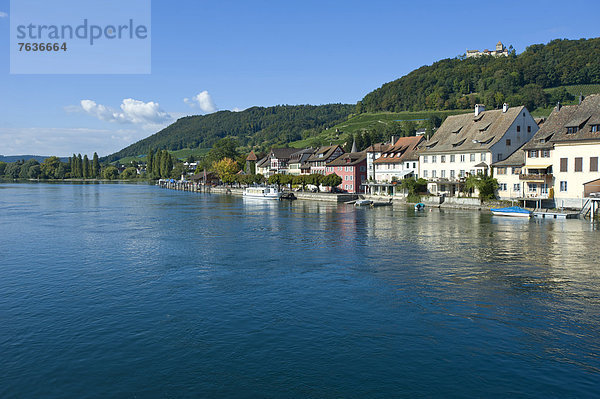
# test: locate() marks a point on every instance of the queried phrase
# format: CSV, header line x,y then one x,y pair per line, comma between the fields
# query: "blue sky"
x,y
237,54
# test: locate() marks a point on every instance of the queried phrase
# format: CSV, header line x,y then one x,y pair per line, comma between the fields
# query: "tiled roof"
x,y
583,116
263,163
251,156
517,158
325,151
542,139
405,149
349,159
282,153
466,132
379,147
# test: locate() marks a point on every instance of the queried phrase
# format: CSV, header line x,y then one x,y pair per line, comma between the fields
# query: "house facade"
x,y
322,156
352,168
468,144
298,163
373,153
399,161
508,175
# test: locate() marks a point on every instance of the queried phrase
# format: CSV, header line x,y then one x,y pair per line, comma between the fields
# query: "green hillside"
x,y
255,127
367,122
517,79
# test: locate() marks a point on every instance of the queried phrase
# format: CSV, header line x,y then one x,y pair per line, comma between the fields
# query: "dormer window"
x,y
572,129
595,128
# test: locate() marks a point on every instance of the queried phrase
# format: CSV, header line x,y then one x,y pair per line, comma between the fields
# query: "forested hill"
x,y
253,126
518,79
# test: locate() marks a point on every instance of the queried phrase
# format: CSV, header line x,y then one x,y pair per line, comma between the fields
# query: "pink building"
x,y
352,168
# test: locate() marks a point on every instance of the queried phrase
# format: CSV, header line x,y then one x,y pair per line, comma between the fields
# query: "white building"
x,y
508,175
399,161
563,155
500,51
469,143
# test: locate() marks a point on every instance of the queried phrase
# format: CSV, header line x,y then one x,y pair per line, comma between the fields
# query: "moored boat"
x,y
262,192
363,202
420,206
513,211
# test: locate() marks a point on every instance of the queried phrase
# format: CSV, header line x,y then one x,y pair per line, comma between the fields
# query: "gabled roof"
x,y
323,153
466,132
542,139
282,153
404,149
583,116
349,159
263,163
517,158
302,155
379,147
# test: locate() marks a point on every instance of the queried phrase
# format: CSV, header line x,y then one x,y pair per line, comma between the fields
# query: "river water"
x,y
120,290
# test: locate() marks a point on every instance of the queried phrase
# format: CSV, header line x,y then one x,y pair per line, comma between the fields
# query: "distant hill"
x,y
256,126
461,82
15,158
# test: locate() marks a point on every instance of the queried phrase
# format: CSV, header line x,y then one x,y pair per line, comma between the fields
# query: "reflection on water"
x,y
125,290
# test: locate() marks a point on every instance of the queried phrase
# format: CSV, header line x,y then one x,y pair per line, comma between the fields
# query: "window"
x,y
414,165
595,128
472,157
563,186
533,154
564,164
528,129
572,129
442,187
483,156
499,157
544,188
452,158
362,168
501,171
508,142
425,159
433,158
545,153
593,164
502,186
532,187
472,172
434,173
461,173
578,164
443,159
424,173
517,187
518,129
516,171
443,173
452,174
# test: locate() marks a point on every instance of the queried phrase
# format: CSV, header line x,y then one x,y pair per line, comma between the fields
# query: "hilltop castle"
x,y
499,52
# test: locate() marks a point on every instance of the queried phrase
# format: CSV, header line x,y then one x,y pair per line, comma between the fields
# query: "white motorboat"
x,y
262,192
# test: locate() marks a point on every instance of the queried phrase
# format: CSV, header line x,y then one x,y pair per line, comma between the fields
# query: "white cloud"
x,y
149,114
203,100
3,14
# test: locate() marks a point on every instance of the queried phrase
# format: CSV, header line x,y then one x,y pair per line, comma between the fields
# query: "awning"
x,y
481,165
537,166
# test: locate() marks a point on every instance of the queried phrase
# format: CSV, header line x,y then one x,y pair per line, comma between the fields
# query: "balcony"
x,y
543,177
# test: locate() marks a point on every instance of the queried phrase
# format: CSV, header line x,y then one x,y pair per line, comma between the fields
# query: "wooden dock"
x,y
555,215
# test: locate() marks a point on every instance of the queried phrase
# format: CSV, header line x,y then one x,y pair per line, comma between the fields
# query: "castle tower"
x,y
499,47
251,163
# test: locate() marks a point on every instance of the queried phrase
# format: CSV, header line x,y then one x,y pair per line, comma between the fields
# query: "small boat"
x,y
420,206
363,202
262,192
514,211
381,203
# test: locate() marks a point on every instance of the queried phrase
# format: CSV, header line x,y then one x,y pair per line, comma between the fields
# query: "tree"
x,y
300,180
277,179
52,168
80,166
110,173
149,162
24,172
315,179
2,168
129,173
87,169
413,187
226,168
332,181
95,166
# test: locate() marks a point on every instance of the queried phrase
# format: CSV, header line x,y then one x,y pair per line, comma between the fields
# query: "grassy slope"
x,y
362,122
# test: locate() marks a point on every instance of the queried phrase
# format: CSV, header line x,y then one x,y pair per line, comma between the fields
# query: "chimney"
x,y
504,107
558,106
479,108
580,97
393,140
